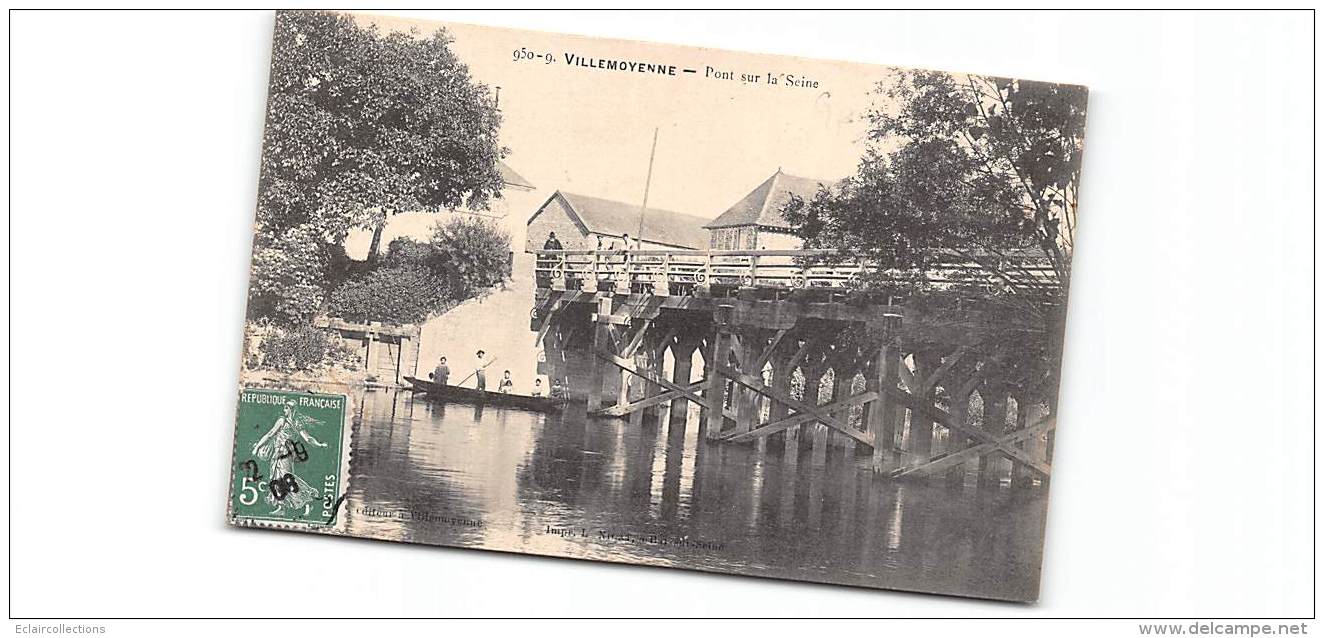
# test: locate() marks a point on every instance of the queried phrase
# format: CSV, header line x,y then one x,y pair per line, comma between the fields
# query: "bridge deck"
x,y
787,269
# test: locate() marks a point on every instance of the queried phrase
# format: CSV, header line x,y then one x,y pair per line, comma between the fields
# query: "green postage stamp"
x,y
287,465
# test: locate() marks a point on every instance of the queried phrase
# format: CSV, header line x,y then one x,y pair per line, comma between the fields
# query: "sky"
x,y
589,131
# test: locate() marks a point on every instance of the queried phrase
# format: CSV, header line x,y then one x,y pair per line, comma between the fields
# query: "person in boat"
x,y
442,372
507,384
480,369
537,388
557,390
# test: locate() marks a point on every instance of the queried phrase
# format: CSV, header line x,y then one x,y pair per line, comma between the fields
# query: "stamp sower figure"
x,y
280,447
442,373
507,384
480,363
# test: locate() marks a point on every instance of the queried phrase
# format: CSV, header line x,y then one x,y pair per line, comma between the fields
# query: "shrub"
x,y
288,276
473,253
419,279
395,295
304,349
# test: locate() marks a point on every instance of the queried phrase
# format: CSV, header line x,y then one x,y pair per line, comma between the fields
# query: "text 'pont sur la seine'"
x,y
621,65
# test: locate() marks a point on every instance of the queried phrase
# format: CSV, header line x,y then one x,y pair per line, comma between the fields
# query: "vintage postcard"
x,y
653,304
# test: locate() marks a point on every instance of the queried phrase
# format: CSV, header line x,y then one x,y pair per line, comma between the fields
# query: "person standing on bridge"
x,y
547,263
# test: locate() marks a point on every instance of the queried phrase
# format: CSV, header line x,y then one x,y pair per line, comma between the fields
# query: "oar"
x,y
471,374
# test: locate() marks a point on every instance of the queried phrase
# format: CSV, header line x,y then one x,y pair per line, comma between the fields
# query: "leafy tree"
x,y
390,294
987,168
476,254
288,276
419,279
972,169
362,125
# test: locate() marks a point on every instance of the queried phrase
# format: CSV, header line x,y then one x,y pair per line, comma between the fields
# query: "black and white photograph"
x,y
808,325
928,316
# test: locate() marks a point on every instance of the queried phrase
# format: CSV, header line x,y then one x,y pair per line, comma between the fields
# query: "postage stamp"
x,y
288,457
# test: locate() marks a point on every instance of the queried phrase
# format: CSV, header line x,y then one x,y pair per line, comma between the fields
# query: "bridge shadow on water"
x,y
573,486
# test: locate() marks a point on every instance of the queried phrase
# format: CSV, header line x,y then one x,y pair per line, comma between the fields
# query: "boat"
x,y
455,394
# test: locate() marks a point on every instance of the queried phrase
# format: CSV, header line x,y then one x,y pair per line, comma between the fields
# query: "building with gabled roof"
x,y
756,222
510,178
580,221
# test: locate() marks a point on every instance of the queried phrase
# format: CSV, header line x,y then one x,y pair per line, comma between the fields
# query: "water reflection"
x,y
568,485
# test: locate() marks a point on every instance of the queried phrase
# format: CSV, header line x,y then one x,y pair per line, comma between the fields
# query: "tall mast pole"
x,y
647,182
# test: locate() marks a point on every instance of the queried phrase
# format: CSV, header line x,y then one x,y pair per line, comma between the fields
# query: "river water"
x,y
573,486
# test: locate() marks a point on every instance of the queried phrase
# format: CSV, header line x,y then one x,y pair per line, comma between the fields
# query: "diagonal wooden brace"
x,y
637,339
944,462
628,366
552,308
622,410
793,420
948,363
945,419
767,352
815,412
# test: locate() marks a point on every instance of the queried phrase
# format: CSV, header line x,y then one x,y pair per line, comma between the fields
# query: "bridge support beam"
x,y
884,414
960,409
995,423
715,399
1022,476
682,352
601,341
902,429
843,379
921,426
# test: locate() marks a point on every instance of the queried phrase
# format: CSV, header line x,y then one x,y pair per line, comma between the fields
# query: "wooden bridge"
x,y
794,360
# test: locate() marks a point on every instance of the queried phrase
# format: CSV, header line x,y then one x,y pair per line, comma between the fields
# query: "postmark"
x,y
287,464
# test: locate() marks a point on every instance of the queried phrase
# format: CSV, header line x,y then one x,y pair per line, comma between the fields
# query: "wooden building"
x,y
579,221
755,222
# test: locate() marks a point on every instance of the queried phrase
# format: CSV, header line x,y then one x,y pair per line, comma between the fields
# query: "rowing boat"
x,y
456,394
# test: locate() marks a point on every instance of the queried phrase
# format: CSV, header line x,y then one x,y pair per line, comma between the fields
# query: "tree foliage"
x,y
981,167
476,254
288,279
303,349
361,125
419,279
979,170
391,294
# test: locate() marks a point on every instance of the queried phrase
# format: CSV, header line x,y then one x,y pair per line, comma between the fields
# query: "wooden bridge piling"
x,y
995,422
682,369
761,326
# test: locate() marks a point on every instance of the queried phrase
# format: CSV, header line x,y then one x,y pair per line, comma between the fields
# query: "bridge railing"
x,y
667,270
